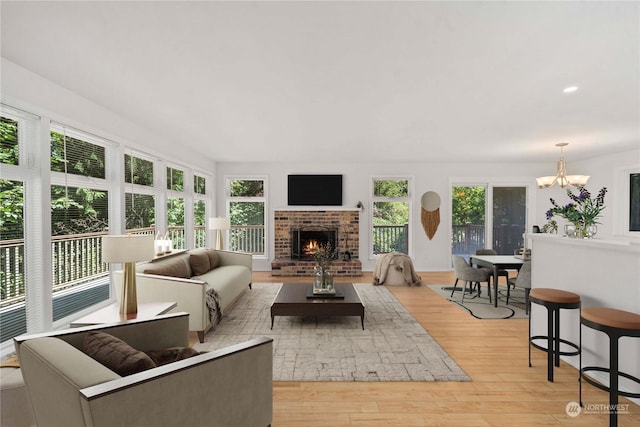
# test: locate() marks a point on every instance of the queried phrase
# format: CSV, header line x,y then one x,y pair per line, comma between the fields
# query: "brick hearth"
x,y
348,224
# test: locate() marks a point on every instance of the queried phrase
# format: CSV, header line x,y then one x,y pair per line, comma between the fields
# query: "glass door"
x,y
476,226
509,218
468,206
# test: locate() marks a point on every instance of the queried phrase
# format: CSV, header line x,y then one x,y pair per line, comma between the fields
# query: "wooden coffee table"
x,y
292,300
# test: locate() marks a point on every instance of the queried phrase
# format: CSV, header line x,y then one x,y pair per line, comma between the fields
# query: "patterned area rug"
x,y
392,347
480,307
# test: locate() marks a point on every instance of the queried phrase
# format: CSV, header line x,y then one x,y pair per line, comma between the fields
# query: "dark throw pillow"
x,y
174,268
199,260
214,258
170,355
116,354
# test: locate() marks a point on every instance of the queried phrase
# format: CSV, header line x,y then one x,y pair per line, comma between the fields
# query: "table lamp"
x,y
128,249
219,223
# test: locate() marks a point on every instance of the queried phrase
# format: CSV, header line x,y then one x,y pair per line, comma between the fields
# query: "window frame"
x,y
263,199
34,250
200,197
620,212
34,172
105,184
141,189
489,184
408,199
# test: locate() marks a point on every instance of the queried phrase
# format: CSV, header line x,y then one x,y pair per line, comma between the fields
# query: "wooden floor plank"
x,y
504,390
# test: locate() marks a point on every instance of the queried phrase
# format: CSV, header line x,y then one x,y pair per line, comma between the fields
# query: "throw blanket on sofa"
x,y
213,304
401,263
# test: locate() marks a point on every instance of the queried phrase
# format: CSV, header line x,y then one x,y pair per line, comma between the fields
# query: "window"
x,y
9,147
476,226
55,270
12,262
199,211
391,215
246,203
79,218
175,207
138,170
140,199
634,202
74,156
625,214
509,218
18,266
467,219
199,185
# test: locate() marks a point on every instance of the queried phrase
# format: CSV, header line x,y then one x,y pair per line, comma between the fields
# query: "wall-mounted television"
x,y
315,190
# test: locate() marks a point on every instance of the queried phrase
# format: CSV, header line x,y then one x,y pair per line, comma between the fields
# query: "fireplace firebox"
x,y
305,240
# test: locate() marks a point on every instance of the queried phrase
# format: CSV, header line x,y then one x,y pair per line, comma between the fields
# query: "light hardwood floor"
x,y
504,391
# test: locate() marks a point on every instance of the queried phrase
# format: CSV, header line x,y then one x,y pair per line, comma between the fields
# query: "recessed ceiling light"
x,y
570,89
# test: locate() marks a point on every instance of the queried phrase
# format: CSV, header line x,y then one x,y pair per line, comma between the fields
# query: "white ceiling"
x,y
349,81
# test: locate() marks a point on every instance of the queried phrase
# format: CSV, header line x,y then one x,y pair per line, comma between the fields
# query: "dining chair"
x,y
523,281
503,273
469,274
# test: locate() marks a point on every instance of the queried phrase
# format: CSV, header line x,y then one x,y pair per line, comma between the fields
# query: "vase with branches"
x,y
324,256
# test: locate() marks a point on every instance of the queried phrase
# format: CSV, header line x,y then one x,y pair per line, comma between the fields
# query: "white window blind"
x,y
21,253
79,218
140,199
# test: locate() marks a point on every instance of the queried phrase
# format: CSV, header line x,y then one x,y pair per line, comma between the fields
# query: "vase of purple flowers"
x,y
582,212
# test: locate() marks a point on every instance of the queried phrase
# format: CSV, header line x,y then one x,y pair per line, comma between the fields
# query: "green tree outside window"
x,y
9,147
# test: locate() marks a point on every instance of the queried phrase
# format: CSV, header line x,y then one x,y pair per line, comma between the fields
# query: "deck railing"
x,y
465,239
76,258
11,271
390,238
247,238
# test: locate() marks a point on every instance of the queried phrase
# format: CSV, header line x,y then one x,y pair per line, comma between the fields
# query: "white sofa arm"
x,y
188,294
228,387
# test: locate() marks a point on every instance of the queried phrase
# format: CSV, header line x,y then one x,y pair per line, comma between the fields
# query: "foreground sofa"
x,y
67,388
197,280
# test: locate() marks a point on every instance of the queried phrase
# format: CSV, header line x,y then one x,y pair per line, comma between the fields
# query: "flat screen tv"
x,y
315,190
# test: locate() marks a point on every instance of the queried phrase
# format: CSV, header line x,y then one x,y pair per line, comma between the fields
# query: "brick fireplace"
x,y
294,229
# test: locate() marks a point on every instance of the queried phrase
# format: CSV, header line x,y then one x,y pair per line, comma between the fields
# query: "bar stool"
x,y
616,324
553,300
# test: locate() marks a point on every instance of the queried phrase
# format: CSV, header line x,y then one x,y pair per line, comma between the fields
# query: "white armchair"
x,y
66,387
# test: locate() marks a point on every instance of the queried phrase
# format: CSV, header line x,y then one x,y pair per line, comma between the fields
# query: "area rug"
x,y
392,347
480,307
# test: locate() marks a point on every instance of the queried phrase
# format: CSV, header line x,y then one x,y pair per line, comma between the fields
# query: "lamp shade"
x,y
219,223
127,248
561,178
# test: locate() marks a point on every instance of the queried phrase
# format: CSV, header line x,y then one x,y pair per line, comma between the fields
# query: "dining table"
x,y
497,263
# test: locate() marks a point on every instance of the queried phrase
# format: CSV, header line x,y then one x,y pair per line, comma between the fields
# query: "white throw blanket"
x,y
401,263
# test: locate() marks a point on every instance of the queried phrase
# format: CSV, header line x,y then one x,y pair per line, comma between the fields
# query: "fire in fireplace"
x,y
305,240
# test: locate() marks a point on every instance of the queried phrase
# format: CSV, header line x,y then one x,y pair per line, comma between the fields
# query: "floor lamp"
x,y
128,249
219,224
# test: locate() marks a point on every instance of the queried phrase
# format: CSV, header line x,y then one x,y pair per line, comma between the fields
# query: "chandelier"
x,y
561,178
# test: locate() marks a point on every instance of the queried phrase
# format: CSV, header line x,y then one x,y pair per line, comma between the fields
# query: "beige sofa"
x,y
191,278
66,387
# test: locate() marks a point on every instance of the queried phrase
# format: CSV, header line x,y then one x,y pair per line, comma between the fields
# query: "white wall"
x,y
28,91
23,89
430,255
